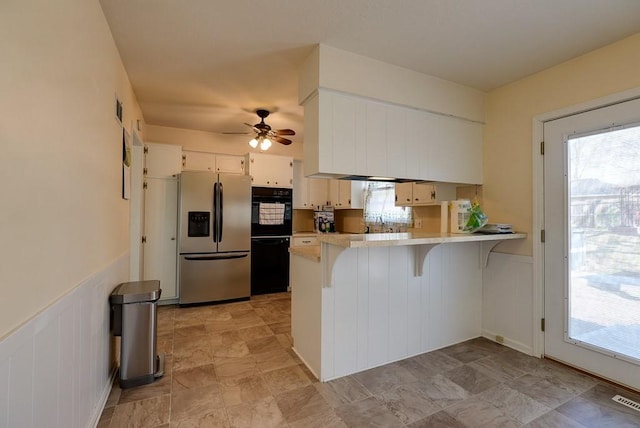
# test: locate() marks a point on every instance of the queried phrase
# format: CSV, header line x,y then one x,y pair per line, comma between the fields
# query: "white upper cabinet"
x,y
308,193
346,194
198,161
229,164
202,161
162,160
350,135
270,170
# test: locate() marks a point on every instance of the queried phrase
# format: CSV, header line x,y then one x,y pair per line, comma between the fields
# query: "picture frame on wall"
x,y
126,165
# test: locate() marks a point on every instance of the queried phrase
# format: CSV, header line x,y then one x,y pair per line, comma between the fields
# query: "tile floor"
x,y
232,365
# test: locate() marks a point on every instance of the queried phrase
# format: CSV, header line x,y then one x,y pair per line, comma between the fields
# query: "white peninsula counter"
x,y
361,301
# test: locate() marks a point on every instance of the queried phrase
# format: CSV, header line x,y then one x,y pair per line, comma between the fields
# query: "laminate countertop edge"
x,y
411,238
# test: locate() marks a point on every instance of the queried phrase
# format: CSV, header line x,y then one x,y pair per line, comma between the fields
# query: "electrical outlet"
x,y
417,223
499,339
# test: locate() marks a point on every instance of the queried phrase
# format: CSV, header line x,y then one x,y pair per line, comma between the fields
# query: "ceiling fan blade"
x,y
256,130
281,140
285,132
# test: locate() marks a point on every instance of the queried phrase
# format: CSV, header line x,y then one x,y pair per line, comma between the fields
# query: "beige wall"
x,y
509,113
62,216
212,142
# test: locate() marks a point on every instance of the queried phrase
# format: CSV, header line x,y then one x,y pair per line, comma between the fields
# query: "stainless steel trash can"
x,y
134,318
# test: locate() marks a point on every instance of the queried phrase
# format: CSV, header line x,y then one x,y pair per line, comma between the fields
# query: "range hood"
x,y
375,178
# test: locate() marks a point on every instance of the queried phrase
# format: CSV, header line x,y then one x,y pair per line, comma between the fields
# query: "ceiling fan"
x,y
264,133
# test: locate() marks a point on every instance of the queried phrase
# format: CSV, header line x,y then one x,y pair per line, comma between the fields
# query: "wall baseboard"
x,y
57,368
513,344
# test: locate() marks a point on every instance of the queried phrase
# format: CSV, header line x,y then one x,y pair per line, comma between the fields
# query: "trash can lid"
x,y
136,292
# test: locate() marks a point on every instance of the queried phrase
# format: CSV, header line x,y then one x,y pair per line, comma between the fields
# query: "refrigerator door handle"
x,y
221,212
216,257
215,212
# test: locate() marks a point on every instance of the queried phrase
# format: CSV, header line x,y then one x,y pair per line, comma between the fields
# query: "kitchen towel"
x,y
271,213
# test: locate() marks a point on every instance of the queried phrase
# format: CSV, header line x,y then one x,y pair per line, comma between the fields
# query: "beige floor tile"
x,y
257,332
258,414
215,419
263,345
142,414
194,377
286,379
243,389
324,420
231,350
281,327
274,360
301,403
233,367
195,403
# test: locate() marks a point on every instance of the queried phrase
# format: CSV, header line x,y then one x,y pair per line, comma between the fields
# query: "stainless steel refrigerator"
x,y
214,238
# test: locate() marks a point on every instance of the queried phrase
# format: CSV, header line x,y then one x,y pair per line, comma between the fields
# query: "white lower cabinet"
x,y
160,234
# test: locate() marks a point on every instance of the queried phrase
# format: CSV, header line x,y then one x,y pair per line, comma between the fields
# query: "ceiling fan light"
x,y
253,143
265,144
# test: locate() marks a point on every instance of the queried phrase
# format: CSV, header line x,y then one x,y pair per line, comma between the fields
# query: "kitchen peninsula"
x,y
364,300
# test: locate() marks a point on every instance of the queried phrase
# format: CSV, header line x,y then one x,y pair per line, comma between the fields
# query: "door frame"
x,y
538,198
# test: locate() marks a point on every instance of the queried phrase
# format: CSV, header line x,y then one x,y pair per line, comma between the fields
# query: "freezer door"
x,y
235,213
214,277
196,197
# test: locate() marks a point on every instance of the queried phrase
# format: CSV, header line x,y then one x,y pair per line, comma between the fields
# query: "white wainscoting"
x,y
507,300
55,370
378,311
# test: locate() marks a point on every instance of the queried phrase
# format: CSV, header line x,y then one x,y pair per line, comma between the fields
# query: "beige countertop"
x,y
311,252
410,238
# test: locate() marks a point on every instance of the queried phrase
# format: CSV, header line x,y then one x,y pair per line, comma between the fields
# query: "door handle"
x,y
220,257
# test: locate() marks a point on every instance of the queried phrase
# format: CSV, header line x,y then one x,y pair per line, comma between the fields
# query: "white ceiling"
x,y
208,64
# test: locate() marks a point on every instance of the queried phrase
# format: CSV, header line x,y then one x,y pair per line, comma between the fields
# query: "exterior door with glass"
x,y
592,241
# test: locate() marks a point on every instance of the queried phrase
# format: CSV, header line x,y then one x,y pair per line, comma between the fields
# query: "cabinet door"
x,y
376,131
318,192
404,194
160,223
229,164
259,170
163,160
423,193
271,170
300,187
344,132
457,158
334,193
198,161
396,142
282,171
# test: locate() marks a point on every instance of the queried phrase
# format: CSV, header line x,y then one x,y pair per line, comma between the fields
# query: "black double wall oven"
x,y
271,227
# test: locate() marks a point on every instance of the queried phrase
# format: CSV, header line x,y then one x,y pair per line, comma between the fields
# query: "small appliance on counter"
x,y
324,220
460,211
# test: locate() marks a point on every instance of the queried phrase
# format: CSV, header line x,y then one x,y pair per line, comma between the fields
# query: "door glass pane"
x,y
604,241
